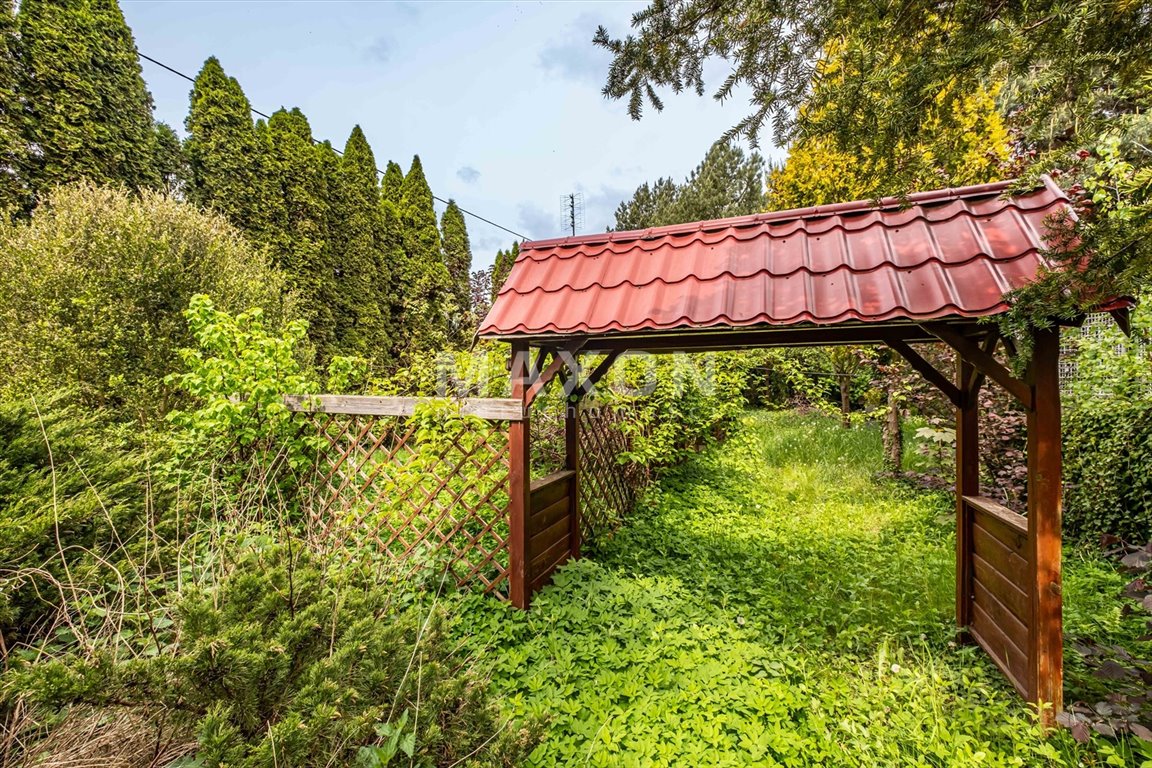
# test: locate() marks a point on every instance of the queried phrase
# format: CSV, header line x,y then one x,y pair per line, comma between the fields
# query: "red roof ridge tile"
x,y
885,203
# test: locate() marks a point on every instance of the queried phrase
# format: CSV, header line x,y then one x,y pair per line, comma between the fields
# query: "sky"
x,y
501,100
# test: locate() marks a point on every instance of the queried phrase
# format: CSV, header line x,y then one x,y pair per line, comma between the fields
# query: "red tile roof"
x,y
951,252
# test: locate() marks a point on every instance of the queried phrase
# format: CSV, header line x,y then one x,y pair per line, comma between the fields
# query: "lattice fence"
x,y
433,497
608,487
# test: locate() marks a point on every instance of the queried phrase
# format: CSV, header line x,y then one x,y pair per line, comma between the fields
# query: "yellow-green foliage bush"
x,y
93,287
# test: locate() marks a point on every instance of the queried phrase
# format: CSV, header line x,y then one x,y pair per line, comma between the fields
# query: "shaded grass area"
x,y
771,604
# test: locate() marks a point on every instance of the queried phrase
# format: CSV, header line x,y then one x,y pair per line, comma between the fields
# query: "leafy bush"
x,y
93,287
289,662
1108,433
1108,471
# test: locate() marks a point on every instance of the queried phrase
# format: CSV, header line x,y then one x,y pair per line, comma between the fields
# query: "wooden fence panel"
x,y
608,487
550,543
440,503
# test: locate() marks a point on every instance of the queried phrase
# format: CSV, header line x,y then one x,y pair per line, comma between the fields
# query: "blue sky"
x,y
501,100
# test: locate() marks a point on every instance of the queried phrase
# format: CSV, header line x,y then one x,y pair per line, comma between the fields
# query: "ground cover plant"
x,y
775,604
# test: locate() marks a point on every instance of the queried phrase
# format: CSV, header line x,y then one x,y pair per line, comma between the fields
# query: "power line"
x,y
257,112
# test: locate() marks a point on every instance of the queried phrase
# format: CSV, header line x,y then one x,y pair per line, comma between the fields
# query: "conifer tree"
x,y
502,266
88,113
358,238
170,161
222,150
13,194
391,186
426,288
297,165
458,260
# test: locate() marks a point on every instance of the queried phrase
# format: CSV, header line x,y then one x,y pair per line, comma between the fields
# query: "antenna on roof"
x,y
573,205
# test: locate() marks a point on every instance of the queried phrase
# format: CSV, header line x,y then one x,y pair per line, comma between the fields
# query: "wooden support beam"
x,y
967,484
1045,654
925,368
598,373
983,361
1123,318
519,483
564,356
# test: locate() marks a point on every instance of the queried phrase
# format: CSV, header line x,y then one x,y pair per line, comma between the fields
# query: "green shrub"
x,y
93,287
1108,471
291,662
72,484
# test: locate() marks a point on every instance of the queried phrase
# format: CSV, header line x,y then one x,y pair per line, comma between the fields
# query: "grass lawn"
x,y
772,604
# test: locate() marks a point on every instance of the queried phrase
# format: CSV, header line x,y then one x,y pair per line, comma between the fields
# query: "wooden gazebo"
x,y
925,268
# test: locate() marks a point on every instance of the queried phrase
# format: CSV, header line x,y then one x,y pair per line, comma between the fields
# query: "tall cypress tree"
x,y
358,237
391,186
502,266
13,194
426,286
458,260
297,167
222,150
170,161
88,112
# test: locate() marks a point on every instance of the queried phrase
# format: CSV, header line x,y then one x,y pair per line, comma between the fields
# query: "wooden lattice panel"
x,y
608,486
432,501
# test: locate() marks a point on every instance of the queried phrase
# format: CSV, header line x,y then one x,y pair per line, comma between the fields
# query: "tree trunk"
x,y
893,434
845,402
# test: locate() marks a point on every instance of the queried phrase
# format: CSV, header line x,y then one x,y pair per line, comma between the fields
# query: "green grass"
x,y
771,604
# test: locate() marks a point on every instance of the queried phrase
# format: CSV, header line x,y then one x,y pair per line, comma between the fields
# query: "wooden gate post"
x,y
1046,650
519,481
572,462
967,484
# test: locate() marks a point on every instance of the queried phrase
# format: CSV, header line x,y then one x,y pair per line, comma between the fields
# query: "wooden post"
x,y
967,484
519,482
1046,650
572,462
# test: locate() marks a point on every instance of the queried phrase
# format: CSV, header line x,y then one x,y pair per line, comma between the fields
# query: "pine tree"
x,y
458,260
88,112
13,193
425,285
222,150
297,166
358,240
727,182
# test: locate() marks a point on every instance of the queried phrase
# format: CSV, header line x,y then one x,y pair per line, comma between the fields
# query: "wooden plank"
x,y
549,489
546,516
491,408
519,485
549,558
1012,662
1014,598
1008,622
984,362
1007,562
1046,655
987,506
967,484
548,534
1009,537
